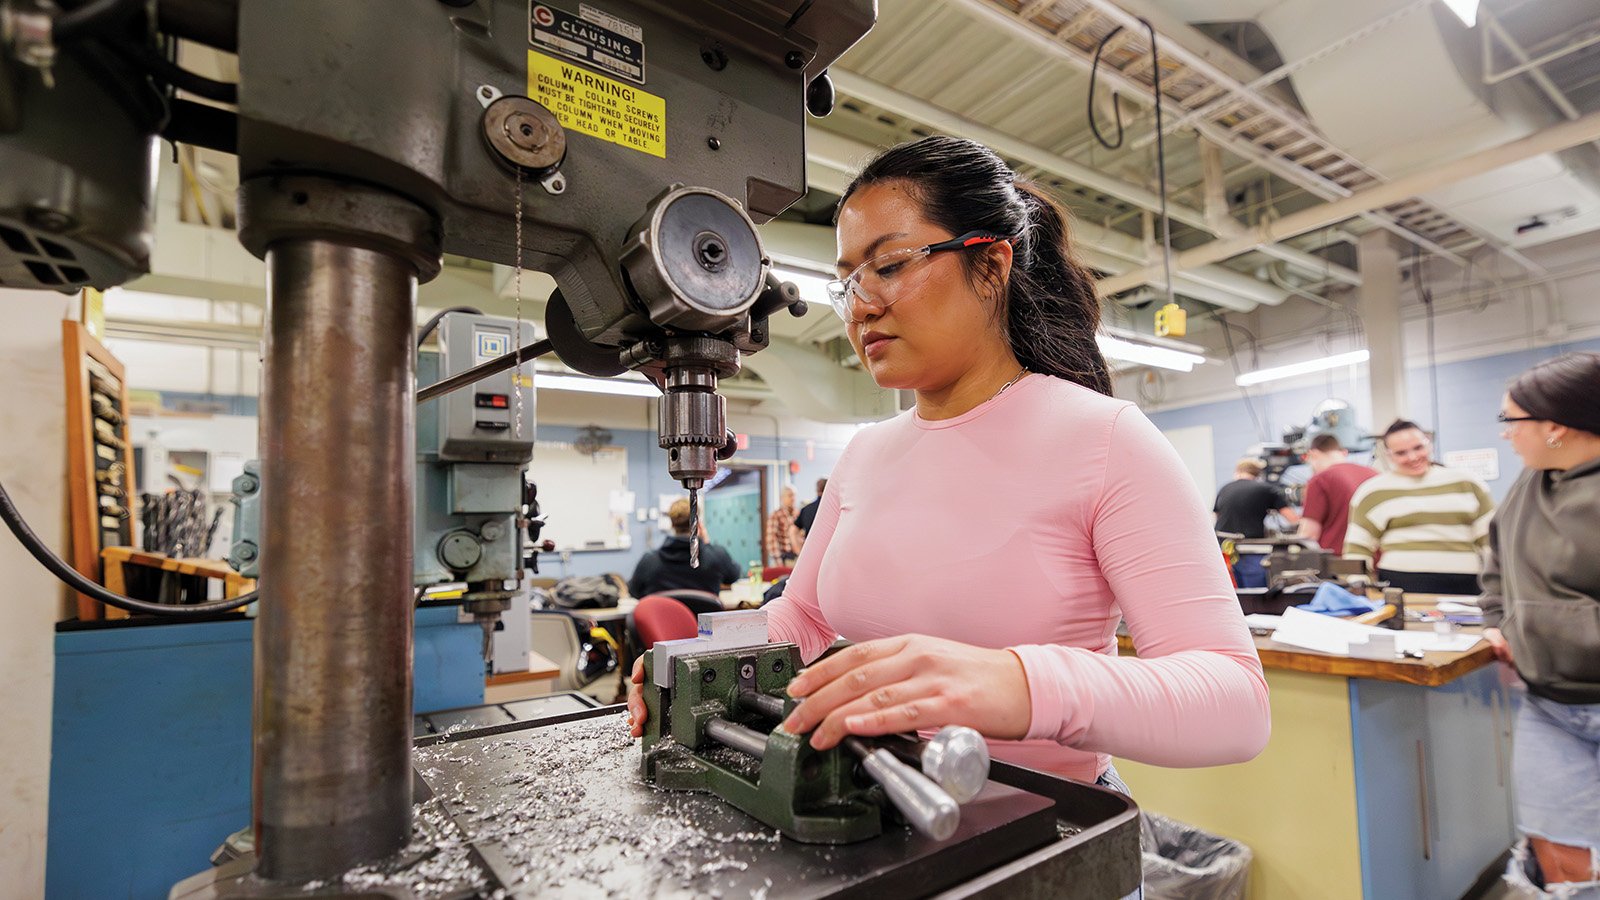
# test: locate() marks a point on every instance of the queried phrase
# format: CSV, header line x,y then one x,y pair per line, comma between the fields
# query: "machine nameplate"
x,y
595,37
599,106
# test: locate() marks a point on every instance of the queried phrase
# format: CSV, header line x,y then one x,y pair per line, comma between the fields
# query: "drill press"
x,y
627,147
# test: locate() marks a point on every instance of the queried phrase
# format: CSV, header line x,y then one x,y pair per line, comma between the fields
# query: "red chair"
x,y
773,573
659,618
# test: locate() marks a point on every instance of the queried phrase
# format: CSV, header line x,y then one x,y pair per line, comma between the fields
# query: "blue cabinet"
x,y
1433,783
150,744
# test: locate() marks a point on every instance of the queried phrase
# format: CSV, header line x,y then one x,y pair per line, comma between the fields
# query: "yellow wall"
x,y
1294,805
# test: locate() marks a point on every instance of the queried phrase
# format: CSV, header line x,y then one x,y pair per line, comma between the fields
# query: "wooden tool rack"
x,y
100,473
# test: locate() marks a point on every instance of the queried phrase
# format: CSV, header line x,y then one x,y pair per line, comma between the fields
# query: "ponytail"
x,y
1052,312
1048,303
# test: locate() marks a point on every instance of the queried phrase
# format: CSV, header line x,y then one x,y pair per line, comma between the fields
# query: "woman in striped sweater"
x,y
1430,523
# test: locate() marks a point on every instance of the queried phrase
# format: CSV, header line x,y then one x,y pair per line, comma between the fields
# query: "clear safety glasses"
x,y
874,281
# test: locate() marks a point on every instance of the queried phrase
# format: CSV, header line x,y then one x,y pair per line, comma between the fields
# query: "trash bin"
x,y
1181,862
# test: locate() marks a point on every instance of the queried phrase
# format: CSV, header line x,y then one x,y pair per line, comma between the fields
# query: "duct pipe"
x,y
1551,140
1295,174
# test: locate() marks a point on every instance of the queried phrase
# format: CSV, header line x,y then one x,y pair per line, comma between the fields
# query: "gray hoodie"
x,y
1541,584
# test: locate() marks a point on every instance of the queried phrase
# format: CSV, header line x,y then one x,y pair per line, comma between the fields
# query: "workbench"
x,y
1382,779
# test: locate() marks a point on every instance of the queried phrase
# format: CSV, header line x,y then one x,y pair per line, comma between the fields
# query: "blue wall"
x,y
648,479
1469,398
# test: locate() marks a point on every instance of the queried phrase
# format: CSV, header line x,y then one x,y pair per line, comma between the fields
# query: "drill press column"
x,y
332,781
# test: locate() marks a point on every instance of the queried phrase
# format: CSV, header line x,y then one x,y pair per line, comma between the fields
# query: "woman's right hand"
x,y
1502,649
637,711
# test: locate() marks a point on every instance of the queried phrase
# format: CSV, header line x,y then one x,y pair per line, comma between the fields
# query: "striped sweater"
x,y
1436,523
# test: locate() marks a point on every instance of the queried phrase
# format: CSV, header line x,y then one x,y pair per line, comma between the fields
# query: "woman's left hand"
x,y
909,683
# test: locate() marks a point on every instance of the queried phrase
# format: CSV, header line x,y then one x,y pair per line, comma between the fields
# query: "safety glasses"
x,y
875,280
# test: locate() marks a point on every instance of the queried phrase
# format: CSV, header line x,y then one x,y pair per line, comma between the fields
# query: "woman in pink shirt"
x,y
981,548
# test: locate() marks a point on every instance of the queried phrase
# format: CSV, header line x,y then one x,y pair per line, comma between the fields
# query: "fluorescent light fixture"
x,y
1145,354
1465,10
813,285
1354,357
625,387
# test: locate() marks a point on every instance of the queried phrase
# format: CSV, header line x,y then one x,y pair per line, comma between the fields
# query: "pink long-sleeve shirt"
x,y
1034,522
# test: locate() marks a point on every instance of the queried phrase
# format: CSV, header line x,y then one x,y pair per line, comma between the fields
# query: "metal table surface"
x,y
556,808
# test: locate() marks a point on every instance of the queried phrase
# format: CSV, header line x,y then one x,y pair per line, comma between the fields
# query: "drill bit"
x,y
694,528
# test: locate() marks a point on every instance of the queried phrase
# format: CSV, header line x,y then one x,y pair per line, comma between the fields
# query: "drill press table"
x,y
556,808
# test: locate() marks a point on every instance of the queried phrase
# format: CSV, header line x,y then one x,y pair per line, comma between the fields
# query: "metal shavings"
x,y
718,865
742,764
437,863
555,812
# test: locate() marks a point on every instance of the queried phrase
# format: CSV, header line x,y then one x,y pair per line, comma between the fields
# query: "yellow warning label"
x,y
598,106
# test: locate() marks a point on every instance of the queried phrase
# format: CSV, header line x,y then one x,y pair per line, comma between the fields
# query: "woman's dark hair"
x,y
1399,425
1564,390
1049,303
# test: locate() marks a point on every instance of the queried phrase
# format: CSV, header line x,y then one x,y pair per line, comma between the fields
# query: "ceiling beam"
x,y
1550,140
920,110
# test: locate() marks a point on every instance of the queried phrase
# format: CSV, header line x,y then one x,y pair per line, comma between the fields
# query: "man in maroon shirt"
x,y
1333,482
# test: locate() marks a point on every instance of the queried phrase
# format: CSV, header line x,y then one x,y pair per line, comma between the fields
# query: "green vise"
x,y
813,797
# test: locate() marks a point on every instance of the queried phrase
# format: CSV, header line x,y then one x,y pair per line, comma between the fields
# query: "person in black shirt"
x,y
667,568
1242,507
1243,504
808,514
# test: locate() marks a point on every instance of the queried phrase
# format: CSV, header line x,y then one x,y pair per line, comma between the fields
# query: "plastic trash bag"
x,y
1182,862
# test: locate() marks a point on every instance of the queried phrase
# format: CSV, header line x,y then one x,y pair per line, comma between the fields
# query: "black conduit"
x,y
76,581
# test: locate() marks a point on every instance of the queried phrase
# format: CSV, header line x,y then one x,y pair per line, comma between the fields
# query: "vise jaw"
x,y
810,796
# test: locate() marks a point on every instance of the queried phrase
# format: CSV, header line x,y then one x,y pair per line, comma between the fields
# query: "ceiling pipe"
x,y
1551,140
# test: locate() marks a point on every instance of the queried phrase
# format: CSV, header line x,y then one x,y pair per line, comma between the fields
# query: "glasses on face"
x,y
1504,419
874,281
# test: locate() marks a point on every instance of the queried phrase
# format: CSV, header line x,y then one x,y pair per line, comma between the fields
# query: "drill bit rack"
x,y
99,455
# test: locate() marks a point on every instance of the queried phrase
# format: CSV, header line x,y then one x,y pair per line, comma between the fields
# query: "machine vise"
x,y
714,703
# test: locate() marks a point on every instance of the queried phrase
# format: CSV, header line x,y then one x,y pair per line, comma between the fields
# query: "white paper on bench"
x,y
1327,634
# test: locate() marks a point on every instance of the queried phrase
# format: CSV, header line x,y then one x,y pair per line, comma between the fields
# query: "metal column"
x,y
332,779
1380,314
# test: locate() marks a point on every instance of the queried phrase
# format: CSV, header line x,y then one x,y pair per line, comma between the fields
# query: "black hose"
x,y
1116,98
59,568
169,72
431,324
91,18
202,125
214,23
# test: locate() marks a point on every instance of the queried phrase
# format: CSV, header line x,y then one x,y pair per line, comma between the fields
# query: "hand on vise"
x,y
1497,640
637,711
911,683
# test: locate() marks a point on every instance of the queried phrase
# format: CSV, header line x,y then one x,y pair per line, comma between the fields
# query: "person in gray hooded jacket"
x,y
1541,609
